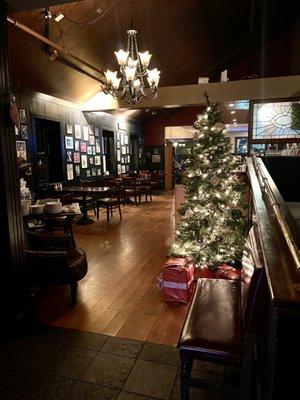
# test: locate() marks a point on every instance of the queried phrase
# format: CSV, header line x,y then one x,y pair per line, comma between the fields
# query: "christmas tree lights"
x,y
213,220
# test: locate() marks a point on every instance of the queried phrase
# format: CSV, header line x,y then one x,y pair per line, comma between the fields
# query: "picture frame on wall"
x,y
77,170
119,168
127,168
77,130
98,171
16,130
122,139
125,139
128,158
76,145
123,149
94,150
24,131
96,131
123,169
21,150
23,115
89,150
83,147
122,159
85,133
118,135
118,144
91,130
69,129
69,156
97,148
91,160
88,173
70,172
94,171
84,163
76,158
92,140
97,160
118,155
69,142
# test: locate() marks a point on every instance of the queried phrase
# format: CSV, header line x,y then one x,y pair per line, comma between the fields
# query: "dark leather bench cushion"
x,y
77,262
214,322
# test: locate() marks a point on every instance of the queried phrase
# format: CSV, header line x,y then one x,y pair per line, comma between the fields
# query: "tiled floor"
x,y
57,364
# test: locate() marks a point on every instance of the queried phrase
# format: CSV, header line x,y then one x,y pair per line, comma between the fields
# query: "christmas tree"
x,y
213,220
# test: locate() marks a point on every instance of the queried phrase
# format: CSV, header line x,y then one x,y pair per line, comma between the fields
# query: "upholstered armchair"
x,y
52,260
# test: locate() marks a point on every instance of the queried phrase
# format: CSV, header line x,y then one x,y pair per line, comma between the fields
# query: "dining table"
x,y
84,191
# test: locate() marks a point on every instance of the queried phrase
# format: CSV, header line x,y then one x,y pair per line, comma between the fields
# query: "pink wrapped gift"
x,y
177,277
224,272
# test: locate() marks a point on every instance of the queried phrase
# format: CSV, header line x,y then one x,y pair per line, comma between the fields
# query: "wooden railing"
x,y
278,237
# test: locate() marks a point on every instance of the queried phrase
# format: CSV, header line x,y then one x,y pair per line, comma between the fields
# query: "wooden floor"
x,y
119,295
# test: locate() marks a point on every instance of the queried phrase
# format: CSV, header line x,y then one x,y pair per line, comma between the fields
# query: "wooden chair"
x,y
130,189
113,201
144,188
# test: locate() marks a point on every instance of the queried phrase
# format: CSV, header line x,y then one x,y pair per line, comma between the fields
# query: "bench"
x,y
221,327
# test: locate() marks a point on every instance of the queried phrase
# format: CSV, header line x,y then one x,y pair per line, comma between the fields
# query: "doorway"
x,y
47,146
134,153
109,152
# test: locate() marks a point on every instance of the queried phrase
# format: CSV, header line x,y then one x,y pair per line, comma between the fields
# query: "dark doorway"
x,y
109,151
134,153
48,165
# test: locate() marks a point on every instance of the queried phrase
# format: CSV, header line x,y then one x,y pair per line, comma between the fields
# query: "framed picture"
x,y
91,130
118,155
97,160
70,173
122,159
127,168
88,173
94,171
98,171
16,130
89,150
21,150
98,148
23,115
77,170
76,158
128,158
83,147
123,169
94,150
91,160
69,142
69,156
76,145
23,131
96,131
123,149
77,131
122,139
69,129
84,161
86,133
241,145
156,158
119,168
140,153
127,150
125,139
92,139
118,144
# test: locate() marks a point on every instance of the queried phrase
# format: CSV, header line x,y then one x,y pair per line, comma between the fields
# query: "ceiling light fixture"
x,y
232,112
231,105
136,81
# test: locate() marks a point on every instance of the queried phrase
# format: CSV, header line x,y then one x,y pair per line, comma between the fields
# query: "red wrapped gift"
x,y
224,272
177,277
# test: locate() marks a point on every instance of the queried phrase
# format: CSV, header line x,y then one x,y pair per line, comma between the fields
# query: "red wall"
x,y
155,129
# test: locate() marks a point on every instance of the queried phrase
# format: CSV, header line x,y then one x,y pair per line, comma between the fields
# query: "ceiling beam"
x,y
193,95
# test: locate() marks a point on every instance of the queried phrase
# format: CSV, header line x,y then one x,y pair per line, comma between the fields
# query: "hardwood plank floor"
x,y
119,295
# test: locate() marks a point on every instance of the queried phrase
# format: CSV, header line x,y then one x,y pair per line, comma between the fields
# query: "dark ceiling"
x,y
188,39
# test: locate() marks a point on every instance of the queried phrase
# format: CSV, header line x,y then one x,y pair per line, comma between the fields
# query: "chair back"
x,y
128,181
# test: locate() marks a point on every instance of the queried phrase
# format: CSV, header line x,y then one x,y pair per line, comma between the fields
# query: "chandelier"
x,y
136,81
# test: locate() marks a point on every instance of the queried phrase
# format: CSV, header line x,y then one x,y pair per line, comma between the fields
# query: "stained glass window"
x,y
276,120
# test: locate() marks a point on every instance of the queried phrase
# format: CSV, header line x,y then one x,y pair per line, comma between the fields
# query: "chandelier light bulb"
x,y
116,83
130,73
136,83
153,77
122,57
110,76
145,58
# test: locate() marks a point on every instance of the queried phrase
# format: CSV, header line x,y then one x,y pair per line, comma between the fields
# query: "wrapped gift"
x,y
224,271
176,279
